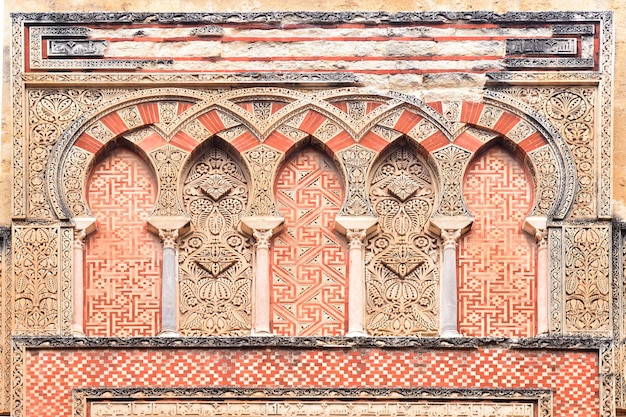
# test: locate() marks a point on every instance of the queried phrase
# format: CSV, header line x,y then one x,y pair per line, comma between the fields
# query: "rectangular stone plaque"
x,y
67,48
304,408
553,46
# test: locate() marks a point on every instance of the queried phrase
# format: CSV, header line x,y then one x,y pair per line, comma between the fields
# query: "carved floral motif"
x,y
587,280
402,261
572,112
215,271
36,279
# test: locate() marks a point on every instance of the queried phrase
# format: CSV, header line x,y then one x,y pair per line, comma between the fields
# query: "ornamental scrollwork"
x,y
215,258
401,260
356,160
571,111
587,284
262,161
452,161
168,161
36,279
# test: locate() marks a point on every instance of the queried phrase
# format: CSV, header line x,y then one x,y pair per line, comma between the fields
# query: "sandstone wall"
x,y
498,6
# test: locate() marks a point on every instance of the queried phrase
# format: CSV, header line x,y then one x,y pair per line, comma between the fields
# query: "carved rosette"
x,y
402,261
215,270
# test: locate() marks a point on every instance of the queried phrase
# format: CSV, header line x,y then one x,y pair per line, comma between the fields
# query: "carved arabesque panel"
x,y
262,161
50,113
402,270
215,269
572,112
587,280
36,291
168,161
356,160
452,161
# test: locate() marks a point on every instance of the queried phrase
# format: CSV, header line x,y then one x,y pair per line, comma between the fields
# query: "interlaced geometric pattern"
x,y
497,282
572,376
308,256
123,259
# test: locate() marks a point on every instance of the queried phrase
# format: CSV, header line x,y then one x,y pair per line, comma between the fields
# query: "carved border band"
x,y
399,396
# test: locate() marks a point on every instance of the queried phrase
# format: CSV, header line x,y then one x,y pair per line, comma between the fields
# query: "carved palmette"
x,y
401,260
215,271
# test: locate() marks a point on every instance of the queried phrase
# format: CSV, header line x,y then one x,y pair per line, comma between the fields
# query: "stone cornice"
x,y
310,17
556,343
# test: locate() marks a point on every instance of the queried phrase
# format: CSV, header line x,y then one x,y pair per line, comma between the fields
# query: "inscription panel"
x,y
303,408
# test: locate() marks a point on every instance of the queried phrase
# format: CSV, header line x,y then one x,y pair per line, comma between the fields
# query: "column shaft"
x,y
262,283
356,291
448,288
169,313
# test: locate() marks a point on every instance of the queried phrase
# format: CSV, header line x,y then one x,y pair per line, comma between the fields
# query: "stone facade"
x,y
312,213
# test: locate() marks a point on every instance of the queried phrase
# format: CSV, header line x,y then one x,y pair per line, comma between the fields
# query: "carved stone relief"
x,y
308,408
587,285
262,161
401,261
572,112
168,161
452,161
37,290
215,259
357,161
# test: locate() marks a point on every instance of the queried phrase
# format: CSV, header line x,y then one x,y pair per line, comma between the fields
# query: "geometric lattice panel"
x,y
497,282
308,256
123,259
51,374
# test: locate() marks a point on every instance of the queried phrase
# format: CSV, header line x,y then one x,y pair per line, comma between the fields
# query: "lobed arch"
x,y
440,128
540,145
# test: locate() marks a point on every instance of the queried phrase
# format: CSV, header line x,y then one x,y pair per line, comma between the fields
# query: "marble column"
x,y
356,282
356,228
168,228
448,287
536,226
262,228
450,228
169,284
82,227
262,282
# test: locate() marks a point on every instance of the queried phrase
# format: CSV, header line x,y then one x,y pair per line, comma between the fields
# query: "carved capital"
x,y
262,238
450,237
537,226
82,227
541,237
169,237
355,238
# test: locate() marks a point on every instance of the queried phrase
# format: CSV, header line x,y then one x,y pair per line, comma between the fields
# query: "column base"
x,y
450,333
261,333
78,333
356,333
168,333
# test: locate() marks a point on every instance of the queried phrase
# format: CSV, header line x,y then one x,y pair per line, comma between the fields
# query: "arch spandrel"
x,y
335,118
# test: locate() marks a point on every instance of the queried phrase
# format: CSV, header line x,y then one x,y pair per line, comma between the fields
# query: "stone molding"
x,y
540,397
